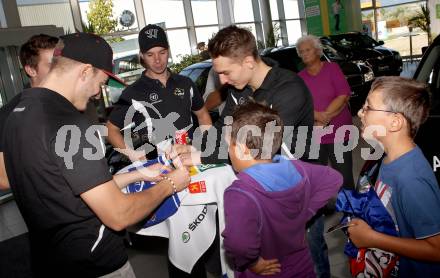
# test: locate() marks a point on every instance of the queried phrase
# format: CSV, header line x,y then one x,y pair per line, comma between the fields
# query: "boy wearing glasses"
x,y
406,184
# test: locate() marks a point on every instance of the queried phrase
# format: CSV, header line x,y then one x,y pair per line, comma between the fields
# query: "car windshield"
x,y
361,41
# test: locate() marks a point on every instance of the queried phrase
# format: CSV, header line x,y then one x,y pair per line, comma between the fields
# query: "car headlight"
x,y
397,57
368,76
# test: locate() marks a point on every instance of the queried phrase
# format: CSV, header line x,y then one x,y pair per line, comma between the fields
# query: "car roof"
x,y
200,65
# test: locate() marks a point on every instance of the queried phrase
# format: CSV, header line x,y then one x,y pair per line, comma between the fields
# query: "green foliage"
x,y
273,36
422,20
88,28
186,60
100,17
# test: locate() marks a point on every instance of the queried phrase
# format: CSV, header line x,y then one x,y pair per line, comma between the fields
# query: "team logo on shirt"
x,y
186,237
241,100
179,92
197,187
204,167
154,97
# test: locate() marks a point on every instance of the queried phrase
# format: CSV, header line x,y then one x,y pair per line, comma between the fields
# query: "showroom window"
x,y
291,19
389,23
244,19
204,34
205,19
204,12
123,11
46,12
170,14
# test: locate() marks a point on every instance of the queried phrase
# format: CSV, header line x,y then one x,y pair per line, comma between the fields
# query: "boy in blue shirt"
x,y
406,183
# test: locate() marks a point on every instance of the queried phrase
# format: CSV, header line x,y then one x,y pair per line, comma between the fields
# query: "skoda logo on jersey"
x,y
185,237
154,97
179,92
241,101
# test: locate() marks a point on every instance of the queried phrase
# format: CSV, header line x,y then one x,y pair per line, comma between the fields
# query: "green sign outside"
x,y
437,10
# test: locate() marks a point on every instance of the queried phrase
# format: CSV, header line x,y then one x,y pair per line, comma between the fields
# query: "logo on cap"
x,y
151,33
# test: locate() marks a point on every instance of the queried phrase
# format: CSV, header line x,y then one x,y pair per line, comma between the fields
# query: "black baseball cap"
x,y
151,36
88,49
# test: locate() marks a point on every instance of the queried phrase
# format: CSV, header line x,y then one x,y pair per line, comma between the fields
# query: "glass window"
x,y
366,4
119,10
170,12
293,30
46,13
204,12
368,24
277,33
384,3
274,9
392,28
291,9
250,27
204,34
179,44
243,11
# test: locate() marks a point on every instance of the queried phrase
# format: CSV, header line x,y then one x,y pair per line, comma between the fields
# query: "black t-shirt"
x,y
283,91
5,111
169,107
67,238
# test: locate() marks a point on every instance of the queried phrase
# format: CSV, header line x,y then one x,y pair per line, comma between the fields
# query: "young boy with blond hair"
x,y
406,183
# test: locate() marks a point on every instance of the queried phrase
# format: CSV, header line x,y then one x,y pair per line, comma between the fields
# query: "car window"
x,y
202,79
331,53
287,59
185,72
429,73
362,41
126,64
195,74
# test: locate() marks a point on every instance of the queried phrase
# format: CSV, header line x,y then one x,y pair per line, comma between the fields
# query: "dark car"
x,y
359,76
356,46
428,71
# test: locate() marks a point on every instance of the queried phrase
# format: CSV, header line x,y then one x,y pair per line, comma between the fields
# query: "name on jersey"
x,y
199,219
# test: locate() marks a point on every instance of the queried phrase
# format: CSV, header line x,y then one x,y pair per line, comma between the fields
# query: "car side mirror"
x,y
381,42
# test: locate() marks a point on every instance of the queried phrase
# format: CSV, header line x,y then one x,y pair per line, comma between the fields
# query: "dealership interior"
x,y
394,45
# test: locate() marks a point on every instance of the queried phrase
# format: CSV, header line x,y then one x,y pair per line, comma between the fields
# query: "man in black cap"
x,y
73,207
161,91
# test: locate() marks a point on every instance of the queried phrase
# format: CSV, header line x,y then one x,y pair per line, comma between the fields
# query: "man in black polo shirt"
x,y
163,94
235,58
35,57
73,207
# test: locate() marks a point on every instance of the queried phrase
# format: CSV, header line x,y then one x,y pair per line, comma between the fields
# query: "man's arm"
x,y
4,182
118,211
213,100
427,249
204,119
117,140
